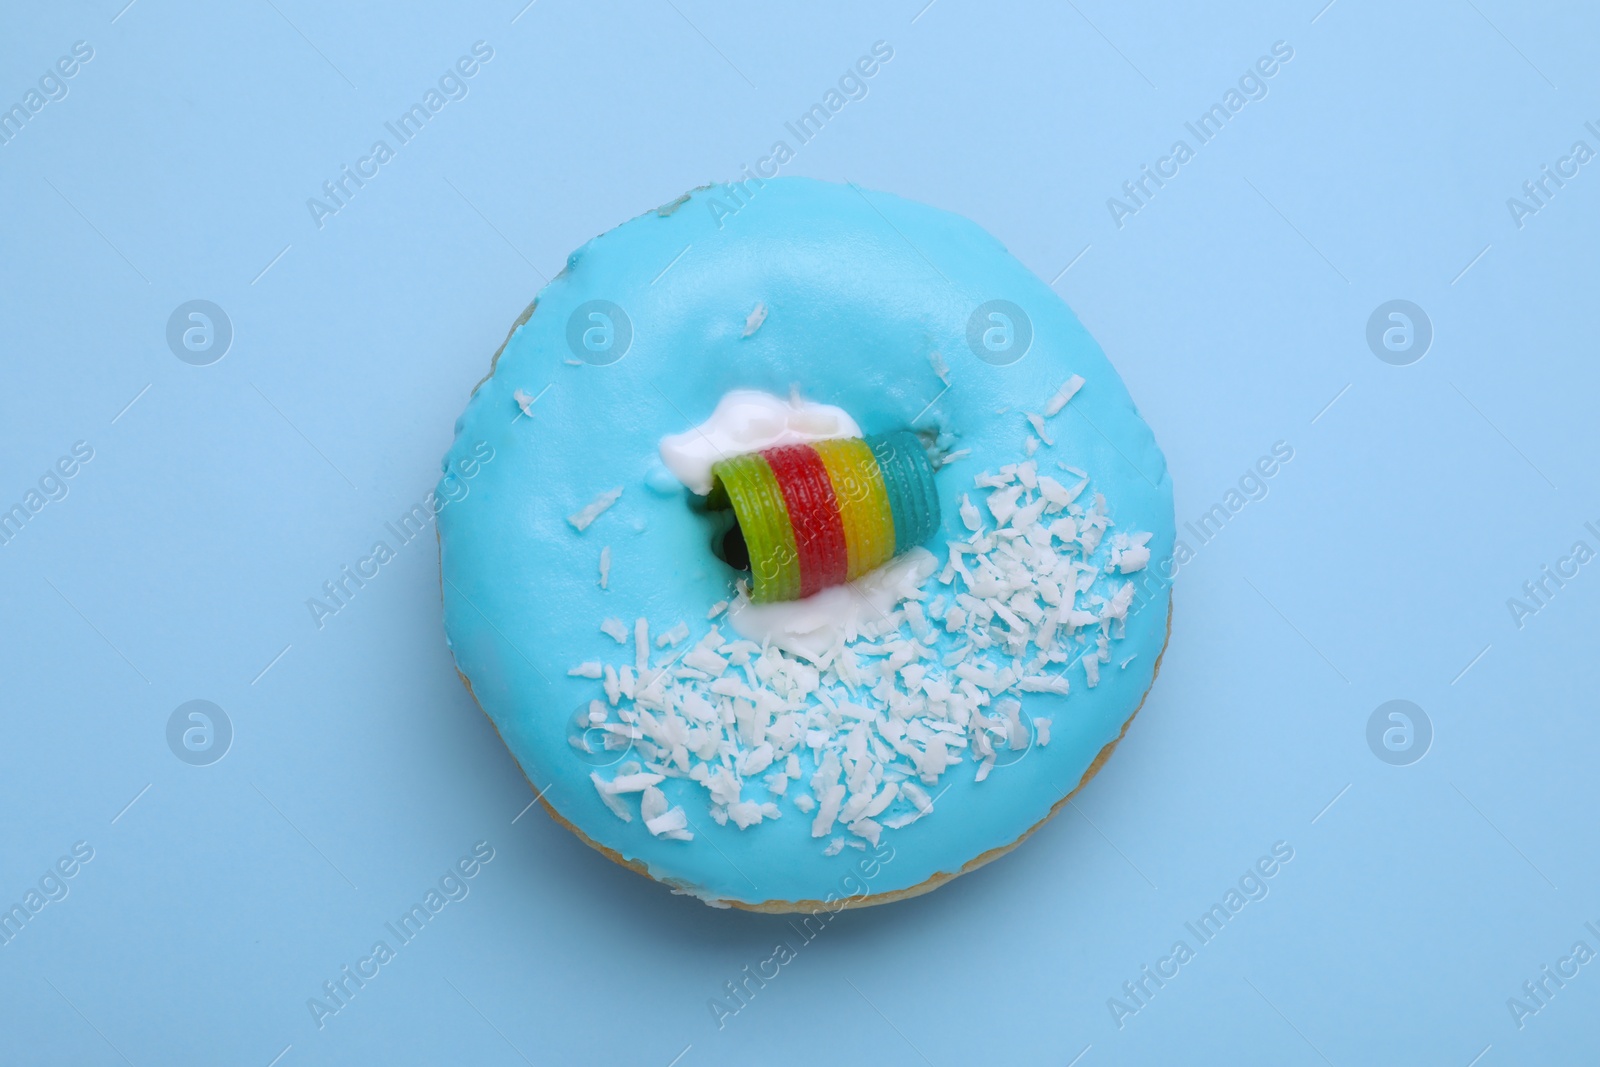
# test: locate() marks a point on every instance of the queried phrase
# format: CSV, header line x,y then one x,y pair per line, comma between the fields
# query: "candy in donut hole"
x,y
807,576
807,517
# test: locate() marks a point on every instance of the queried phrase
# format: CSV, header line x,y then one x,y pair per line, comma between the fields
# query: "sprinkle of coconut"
x,y
1003,503
757,317
717,609
592,669
1031,445
940,367
594,509
671,824
659,819
1039,683
706,661
524,401
1037,422
1129,552
605,567
1063,396
609,797
1054,493
855,739
637,782
969,515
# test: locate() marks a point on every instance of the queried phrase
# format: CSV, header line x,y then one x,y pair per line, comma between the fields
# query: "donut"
x,y
803,547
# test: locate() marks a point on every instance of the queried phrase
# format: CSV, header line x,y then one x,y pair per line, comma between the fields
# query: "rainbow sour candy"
x,y
822,514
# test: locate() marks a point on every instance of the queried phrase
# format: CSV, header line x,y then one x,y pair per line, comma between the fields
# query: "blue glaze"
x,y
860,288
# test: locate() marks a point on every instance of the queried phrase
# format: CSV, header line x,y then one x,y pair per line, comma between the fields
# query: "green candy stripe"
x,y
746,483
908,480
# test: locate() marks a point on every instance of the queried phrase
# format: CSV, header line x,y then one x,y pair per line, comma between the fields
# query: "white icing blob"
x,y
748,420
812,626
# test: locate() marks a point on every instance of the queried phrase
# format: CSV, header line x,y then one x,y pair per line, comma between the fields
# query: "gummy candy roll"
x,y
817,515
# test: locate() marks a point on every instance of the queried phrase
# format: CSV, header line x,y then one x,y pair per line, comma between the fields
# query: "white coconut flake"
x,y
1039,683
1063,396
652,804
703,659
609,798
641,645
747,813
940,367
605,567
1037,422
592,669
832,800
717,609
591,511
757,316
1054,493
1002,503
632,783
671,825
969,515
678,632
1130,552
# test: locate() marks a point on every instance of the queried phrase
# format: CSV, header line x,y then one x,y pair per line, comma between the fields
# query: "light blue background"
x,y
1235,305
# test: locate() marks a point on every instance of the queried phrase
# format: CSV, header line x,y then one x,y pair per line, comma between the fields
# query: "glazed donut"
x,y
820,554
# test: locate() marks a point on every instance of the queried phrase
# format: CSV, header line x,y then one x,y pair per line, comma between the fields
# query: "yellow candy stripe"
x,y
747,484
863,503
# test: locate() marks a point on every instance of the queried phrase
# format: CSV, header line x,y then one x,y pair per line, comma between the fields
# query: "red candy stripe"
x,y
814,515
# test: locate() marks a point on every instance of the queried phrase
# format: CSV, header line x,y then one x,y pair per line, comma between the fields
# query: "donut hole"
x,y
732,550
727,538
